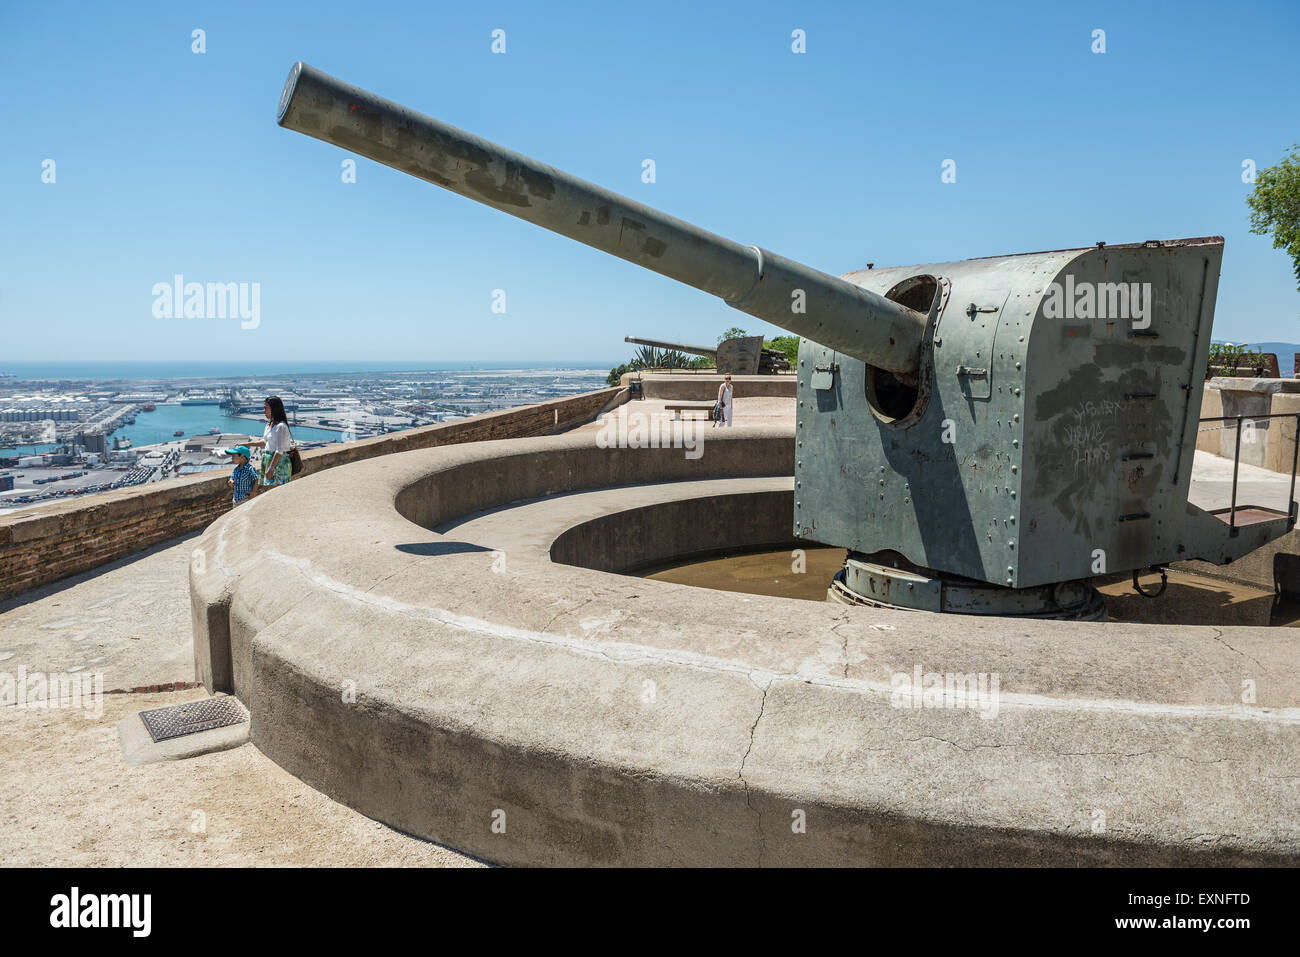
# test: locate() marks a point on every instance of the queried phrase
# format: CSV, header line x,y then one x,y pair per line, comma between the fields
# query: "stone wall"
x,y
44,544
703,386
1266,367
1270,443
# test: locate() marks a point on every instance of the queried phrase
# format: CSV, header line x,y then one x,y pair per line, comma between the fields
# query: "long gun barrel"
x,y
675,346
809,303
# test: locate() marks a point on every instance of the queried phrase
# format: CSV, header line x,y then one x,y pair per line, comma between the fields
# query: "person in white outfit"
x,y
724,399
275,444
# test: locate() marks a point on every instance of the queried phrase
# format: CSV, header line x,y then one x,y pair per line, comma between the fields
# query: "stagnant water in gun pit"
x,y
1189,599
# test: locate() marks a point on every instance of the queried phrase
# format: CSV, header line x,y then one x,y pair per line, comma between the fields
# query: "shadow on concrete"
x,y
441,548
1192,600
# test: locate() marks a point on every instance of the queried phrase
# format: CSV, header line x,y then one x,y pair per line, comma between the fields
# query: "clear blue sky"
x,y
171,162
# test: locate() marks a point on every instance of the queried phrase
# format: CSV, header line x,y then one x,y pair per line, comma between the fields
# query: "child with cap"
x,y
243,480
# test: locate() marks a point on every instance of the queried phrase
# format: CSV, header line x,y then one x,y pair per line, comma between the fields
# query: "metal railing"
x,y
1236,457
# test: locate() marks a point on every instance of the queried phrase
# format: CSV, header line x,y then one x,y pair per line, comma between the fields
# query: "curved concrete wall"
x,y
654,534
530,712
518,472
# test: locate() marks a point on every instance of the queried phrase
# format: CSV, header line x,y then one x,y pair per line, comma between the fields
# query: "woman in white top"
x,y
724,399
275,443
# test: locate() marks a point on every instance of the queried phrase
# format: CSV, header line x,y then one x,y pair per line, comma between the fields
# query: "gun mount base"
x,y
884,581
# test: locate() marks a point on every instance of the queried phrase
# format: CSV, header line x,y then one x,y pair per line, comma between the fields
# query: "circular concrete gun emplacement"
x,y
407,641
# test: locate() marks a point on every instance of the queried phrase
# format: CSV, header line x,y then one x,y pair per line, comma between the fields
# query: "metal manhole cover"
x,y
192,717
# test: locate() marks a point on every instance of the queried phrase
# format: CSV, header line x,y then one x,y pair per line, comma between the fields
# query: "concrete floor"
x,y
70,801
129,620
1212,484
73,801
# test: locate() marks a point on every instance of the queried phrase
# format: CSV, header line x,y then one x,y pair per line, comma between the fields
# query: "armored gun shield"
x,y
1050,432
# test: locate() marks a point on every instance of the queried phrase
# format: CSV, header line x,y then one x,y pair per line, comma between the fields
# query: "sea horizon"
x,y
166,369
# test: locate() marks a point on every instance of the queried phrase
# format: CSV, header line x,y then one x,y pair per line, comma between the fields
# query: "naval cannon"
x,y
983,436
739,355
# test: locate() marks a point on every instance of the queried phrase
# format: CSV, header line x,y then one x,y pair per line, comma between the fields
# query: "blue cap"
x,y
237,450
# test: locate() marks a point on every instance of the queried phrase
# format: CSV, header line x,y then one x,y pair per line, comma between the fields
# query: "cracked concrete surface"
x,y
762,843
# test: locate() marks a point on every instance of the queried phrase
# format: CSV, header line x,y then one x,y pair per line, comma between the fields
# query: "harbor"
x,y
62,437
163,424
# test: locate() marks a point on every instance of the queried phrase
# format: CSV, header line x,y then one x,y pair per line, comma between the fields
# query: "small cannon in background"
x,y
740,355
983,436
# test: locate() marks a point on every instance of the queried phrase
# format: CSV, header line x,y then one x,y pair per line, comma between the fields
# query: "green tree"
x,y
1275,206
787,344
735,332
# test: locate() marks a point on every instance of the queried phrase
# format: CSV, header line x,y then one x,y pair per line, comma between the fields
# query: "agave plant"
x,y
648,357
672,359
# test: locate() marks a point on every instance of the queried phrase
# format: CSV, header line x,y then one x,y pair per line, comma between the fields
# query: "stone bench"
x,y
679,408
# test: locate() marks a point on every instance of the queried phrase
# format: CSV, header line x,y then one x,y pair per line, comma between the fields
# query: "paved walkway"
x,y
1212,484
129,620
71,800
